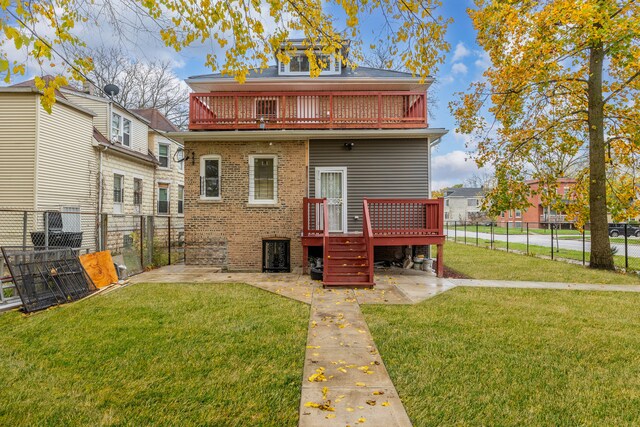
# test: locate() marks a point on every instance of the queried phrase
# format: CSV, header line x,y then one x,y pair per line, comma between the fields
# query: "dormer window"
x,y
299,65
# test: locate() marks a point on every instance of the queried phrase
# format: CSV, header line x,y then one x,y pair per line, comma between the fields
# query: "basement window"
x,y
276,256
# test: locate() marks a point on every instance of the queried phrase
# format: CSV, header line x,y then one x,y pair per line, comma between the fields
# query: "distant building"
x,y
538,212
463,204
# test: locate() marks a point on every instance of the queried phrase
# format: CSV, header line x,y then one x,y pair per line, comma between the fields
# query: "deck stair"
x,y
347,262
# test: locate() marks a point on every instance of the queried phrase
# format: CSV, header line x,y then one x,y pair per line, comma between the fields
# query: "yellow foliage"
x,y
237,27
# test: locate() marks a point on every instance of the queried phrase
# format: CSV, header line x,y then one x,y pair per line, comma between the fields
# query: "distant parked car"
x,y
616,230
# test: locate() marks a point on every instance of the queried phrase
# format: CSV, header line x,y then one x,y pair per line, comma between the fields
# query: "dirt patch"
x,y
450,273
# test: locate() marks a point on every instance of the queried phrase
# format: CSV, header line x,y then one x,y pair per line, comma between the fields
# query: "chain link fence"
x,y
559,241
139,242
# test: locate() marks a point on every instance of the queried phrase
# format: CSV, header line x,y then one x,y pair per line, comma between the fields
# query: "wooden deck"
x,y
308,110
348,258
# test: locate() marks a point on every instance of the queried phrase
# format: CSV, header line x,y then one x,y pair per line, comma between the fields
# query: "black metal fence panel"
x,y
47,276
559,241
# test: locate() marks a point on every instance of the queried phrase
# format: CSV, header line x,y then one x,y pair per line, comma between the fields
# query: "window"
x,y
180,159
299,64
163,155
116,122
263,182
137,194
180,199
71,219
163,199
121,129
518,213
267,109
472,203
446,202
126,132
210,177
118,193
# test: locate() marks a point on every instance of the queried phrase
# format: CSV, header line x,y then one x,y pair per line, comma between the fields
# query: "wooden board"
x,y
99,266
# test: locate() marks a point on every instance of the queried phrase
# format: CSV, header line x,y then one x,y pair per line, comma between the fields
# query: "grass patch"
x,y
482,263
156,354
512,230
567,254
514,357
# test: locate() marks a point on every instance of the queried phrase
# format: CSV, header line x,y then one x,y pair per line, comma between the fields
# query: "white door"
x,y
332,184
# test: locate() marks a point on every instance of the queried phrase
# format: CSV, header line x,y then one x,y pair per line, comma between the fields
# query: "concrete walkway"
x,y
543,285
345,381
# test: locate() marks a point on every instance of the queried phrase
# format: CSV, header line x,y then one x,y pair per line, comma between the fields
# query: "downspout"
x,y
100,194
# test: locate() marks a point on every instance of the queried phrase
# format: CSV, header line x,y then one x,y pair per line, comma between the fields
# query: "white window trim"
x,y
168,188
119,206
202,186
330,70
168,145
252,158
180,200
119,137
180,164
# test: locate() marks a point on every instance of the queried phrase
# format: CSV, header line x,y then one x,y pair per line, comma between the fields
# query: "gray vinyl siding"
x,y
395,168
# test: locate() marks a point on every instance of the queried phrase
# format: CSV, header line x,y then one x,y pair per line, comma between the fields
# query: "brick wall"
x,y
229,233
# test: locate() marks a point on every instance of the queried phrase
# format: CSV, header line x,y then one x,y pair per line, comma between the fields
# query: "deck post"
x,y
305,258
440,260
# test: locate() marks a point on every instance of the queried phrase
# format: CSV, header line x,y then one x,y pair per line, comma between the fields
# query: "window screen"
x,y
263,178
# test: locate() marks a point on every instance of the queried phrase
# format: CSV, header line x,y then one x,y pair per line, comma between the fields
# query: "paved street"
x,y
545,241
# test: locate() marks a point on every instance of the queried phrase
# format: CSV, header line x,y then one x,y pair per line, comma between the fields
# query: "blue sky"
x,y
464,64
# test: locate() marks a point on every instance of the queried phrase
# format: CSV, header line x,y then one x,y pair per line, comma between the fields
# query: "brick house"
x,y
285,165
538,215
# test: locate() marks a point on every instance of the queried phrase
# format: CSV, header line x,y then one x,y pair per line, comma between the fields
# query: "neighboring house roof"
x,y
32,84
60,99
464,192
347,72
118,148
156,119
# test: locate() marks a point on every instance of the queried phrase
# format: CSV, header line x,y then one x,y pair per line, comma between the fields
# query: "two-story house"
x,y
285,165
463,204
89,155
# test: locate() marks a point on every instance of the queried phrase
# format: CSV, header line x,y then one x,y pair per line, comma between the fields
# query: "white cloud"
x,y
483,62
460,52
459,68
452,168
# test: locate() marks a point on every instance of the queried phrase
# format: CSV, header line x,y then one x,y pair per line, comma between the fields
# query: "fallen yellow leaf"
x,y
350,409
371,402
362,420
385,403
378,393
359,384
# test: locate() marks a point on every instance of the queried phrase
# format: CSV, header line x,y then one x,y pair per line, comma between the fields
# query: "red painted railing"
x,y
405,217
312,216
307,110
367,232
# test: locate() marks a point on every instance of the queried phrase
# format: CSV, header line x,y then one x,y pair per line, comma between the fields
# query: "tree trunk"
x,y
601,256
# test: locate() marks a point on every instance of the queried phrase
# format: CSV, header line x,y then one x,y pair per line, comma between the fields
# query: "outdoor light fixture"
x,y
349,145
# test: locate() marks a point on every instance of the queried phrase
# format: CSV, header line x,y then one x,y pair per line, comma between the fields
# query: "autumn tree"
x,y
242,35
142,84
564,78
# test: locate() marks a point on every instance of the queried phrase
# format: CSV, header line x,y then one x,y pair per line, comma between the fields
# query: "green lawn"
x,y
156,354
513,357
483,263
567,254
471,228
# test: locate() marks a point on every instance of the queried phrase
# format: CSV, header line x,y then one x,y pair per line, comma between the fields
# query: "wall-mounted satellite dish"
x,y
111,90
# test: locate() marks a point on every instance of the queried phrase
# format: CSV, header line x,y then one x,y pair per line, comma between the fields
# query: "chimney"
x,y
88,87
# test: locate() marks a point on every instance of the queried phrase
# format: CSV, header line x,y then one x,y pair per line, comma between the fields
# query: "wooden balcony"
x,y
307,110
387,222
